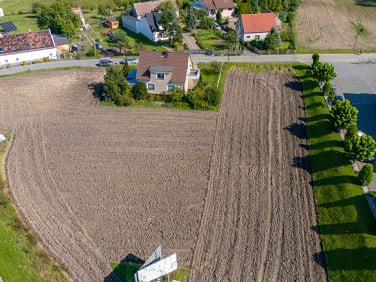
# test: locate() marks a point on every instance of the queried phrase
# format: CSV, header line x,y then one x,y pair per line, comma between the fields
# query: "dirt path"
x,y
259,206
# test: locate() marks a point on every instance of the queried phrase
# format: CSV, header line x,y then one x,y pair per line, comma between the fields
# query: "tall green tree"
x,y
121,40
59,18
315,60
365,175
344,114
116,87
360,30
324,72
360,148
218,17
139,91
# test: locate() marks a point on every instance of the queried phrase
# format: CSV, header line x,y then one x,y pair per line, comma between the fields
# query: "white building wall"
x,y
227,13
253,36
18,58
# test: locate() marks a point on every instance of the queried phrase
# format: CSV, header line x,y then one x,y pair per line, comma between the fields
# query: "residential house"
x,y
145,20
226,7
111,22
140,9
163,71
26,47
255,26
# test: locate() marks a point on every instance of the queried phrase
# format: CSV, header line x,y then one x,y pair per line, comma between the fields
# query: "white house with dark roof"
x,y
27,47
144,19
163,71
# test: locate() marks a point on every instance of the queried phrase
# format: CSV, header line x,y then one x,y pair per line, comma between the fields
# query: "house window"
x,y
248,36
257,37
17,59
160,75
151,86
170,87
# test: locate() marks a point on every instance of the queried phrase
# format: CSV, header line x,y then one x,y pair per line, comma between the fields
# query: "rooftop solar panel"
x,y
8,26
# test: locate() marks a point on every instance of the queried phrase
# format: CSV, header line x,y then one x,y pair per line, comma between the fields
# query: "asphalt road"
x,y
339,60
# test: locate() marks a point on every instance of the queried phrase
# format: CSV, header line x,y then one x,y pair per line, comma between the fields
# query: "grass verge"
x,y
21,259
346,225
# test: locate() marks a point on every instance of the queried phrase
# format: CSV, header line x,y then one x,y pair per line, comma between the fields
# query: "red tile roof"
x,y
11,43
177,60
258,22
147,7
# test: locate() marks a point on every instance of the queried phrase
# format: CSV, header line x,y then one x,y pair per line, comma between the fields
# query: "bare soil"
x,y
228,191
259,209
326,24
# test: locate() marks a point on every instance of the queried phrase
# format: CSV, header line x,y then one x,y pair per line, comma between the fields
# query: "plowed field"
x,y
259,208
327,24
228,191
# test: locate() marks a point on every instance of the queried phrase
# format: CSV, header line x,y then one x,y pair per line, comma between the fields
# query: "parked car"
x,y
131,61
105,63
99,46
217,26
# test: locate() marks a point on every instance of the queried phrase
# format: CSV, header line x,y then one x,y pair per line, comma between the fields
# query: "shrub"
x,y
365,175
352,130
139,91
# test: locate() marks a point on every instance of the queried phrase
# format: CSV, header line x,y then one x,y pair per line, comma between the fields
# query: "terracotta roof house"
x,y
226,7
163,71
26,47
255,26
144,19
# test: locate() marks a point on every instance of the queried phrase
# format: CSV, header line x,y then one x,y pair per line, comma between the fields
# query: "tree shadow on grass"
x,y
336,180
349,259
97,89
337,228
365,3
320,117
328,159
327,144
125,270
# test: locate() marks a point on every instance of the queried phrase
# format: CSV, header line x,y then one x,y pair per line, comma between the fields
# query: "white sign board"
x,y
2,138
157,255
158,269
1,12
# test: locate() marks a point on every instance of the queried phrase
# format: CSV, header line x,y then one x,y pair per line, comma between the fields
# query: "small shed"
x,y
2,138
111,22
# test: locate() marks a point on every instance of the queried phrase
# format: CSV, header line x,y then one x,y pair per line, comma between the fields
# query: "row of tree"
x,y
358,146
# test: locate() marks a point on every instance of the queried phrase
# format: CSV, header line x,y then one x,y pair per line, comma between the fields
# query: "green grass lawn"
x,y
347,227
20,257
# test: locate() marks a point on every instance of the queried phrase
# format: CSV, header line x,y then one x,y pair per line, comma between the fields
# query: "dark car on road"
x,y
105,63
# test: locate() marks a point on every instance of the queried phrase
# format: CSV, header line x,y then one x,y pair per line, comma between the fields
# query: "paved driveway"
x,y
190,41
